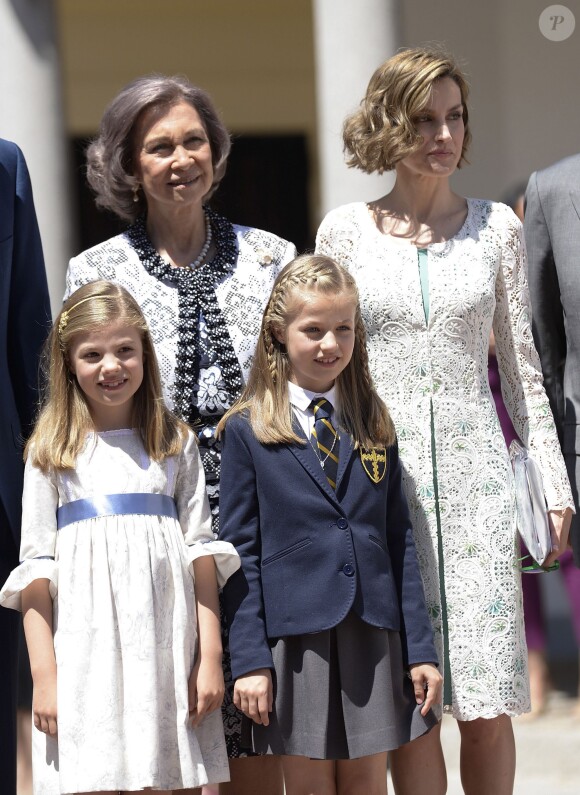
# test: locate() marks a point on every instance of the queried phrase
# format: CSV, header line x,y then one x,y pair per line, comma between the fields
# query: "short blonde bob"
x,y
382,131
110,166
65,420
360,411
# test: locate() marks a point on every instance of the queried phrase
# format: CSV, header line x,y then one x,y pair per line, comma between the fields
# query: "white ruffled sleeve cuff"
x,y
227,561
28,571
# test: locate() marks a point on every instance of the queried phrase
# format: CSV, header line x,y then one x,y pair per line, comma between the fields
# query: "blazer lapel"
x,y
311,463
344,456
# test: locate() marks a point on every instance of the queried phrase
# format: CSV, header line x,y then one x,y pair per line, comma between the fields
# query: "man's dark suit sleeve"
x,y
29,312
24,318
547,314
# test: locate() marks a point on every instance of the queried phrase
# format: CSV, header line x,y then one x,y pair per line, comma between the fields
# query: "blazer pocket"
x,y
378,542
288,551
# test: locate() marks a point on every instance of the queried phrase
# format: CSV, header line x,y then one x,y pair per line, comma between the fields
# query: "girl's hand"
x,y
44,703
37,614
426,684
253,695
559,526
205,687
206,683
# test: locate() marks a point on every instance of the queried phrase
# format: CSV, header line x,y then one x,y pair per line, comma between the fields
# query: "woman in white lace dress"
x,y
201,282
436,272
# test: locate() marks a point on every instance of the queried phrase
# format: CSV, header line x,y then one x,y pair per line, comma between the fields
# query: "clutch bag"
x,y
531,508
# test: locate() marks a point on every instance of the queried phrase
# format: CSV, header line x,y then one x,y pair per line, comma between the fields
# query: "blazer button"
x,y
348,569
342,524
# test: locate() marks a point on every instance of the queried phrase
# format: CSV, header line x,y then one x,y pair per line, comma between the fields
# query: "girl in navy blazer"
x,y
331,644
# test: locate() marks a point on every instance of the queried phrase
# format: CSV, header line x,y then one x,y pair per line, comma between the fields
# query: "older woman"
x,y
201,281
436,273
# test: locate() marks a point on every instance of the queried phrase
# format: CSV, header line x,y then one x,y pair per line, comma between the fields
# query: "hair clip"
x,y
62,323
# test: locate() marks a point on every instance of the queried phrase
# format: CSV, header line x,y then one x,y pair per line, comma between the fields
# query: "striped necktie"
x,y
325,439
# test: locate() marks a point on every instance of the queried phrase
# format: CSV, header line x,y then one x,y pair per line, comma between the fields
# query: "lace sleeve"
x,y
78,273
519,365
337,238
113,259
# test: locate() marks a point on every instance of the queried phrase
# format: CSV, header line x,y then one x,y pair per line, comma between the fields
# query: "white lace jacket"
x,y
437,371
241,297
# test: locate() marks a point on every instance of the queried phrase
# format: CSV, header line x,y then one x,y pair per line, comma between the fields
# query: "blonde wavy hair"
x,y
265,401
65,420
382,131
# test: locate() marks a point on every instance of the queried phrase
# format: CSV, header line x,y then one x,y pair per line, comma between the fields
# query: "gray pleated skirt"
x,y
341,694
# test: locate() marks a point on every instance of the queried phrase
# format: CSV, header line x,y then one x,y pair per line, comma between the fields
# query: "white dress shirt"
x,y
301,399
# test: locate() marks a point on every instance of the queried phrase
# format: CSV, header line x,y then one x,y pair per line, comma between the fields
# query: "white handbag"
x,y
532,510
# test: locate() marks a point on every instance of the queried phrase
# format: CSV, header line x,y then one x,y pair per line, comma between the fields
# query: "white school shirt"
x,y
301,399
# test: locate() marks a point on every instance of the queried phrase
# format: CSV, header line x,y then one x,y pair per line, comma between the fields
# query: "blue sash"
x,y
115,504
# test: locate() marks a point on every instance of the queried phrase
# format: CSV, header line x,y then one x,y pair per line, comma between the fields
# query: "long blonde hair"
x,y
360,412
65,420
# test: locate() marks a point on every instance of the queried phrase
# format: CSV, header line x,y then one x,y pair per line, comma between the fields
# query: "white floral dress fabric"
x,y
125,629
433,376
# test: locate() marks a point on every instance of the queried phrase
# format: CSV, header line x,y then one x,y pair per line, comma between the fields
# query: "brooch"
x,y
264,257
374,463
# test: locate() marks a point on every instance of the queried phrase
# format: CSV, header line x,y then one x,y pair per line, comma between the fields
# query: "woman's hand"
x,y
253,695
559,528
44,703
426,684
205,687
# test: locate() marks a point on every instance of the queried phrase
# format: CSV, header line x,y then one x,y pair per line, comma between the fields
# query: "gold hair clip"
x,y
62,323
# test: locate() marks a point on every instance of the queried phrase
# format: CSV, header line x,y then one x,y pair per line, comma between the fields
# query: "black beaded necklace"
x,y
196,293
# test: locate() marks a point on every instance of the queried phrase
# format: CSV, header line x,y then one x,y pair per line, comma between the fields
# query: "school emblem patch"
x,y
374,463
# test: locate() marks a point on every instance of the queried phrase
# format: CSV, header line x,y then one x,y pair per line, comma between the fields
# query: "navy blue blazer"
x,y
24,324
311,554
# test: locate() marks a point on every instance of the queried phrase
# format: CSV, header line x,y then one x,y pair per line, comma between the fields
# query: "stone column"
x,y
31,116
351,40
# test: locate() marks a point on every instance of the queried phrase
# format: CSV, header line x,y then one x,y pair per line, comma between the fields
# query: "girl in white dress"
x,y
436,272
118,582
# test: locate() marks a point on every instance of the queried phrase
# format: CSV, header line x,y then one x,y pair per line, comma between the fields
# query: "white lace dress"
x,y
433,376
124,621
